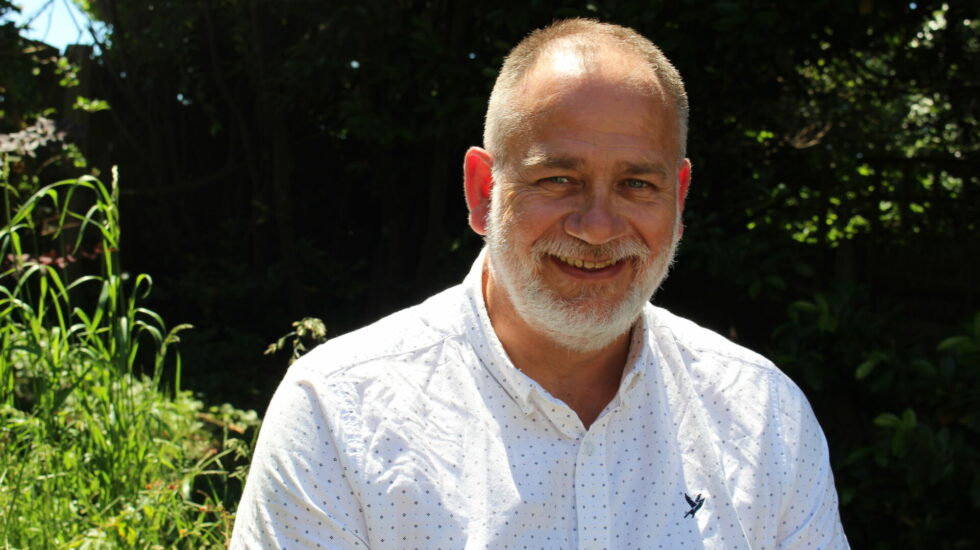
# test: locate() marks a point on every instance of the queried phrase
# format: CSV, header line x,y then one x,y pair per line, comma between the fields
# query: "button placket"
x,y
591,489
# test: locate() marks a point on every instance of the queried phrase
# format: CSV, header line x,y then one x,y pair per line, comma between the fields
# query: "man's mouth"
x,y
585,264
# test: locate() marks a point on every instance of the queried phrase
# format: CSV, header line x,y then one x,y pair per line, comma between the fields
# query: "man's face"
x,y
584,218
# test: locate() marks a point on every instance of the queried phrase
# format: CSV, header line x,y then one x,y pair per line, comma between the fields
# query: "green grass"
x,y
98,448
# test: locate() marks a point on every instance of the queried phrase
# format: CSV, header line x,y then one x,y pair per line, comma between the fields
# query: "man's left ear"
x,y
683,183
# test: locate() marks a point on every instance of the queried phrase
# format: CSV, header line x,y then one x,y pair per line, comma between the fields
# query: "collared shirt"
x,y
418,432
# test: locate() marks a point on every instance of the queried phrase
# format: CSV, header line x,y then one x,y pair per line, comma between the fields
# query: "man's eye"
x,y
637,184
557,179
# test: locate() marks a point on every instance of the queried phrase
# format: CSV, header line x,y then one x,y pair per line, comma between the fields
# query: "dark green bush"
x,y
902,416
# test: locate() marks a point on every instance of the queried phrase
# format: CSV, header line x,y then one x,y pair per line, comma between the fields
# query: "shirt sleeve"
x,y
809,517
297,495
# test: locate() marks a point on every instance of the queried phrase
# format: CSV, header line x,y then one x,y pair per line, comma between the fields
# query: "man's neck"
x,y
585,381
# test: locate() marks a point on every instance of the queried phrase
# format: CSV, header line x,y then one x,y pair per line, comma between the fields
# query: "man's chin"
x,y
582,325
588,338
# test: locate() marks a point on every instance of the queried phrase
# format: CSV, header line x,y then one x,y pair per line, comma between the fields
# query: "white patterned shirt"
x,y
418,432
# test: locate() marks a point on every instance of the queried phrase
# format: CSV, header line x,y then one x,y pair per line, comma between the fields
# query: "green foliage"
x,y
889,123
95,450
906,417
29,72
90,105
40,105
308,332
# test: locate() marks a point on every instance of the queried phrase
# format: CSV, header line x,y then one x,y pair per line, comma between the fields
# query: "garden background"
x,y
286,160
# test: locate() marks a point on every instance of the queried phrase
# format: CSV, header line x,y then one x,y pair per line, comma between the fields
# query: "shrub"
x,y
900,414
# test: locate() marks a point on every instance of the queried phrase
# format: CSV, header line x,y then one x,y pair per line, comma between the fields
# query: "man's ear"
x,y
477,182
683,183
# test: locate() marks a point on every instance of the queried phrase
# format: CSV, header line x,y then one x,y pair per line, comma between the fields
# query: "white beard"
x,y
586,322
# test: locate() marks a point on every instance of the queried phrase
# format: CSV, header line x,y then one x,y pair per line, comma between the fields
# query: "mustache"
x,y
575,248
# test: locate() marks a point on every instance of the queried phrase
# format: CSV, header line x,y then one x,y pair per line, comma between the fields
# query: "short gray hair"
x,y
503,119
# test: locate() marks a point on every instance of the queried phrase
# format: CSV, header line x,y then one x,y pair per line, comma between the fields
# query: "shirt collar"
x,y
638,359
488,347
518,385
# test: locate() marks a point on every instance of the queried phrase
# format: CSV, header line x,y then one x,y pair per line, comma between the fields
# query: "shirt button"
x,y
588,448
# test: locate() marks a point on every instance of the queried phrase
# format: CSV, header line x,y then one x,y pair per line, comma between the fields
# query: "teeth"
x,y
586,264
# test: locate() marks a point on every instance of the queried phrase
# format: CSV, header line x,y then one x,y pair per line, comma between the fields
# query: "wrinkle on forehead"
x,y
591,137
564,82
539,157
620,122
569,147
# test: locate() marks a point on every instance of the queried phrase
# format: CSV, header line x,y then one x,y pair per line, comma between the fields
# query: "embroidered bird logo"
x,y
694,503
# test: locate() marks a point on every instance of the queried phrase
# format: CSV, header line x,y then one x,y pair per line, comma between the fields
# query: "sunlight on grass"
x,y
99,446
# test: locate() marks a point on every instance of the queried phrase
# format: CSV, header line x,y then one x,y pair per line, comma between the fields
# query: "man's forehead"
x,y
576,61
599,110
568,81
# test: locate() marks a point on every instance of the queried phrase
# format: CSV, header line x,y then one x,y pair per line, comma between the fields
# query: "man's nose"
x,y
597,221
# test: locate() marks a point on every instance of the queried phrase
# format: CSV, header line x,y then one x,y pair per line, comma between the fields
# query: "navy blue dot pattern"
x,y
417,432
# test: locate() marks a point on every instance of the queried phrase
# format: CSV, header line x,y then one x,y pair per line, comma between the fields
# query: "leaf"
x,y
909,419
90,105
864,369
803,305
821,303
776,282
953,342
887,420
868,365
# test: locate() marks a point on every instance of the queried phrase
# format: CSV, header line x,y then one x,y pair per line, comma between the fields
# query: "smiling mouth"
x,y
584,264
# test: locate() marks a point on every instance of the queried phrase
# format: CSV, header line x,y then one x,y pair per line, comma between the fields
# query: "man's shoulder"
x,y
702,342
718,366
414,332
767,439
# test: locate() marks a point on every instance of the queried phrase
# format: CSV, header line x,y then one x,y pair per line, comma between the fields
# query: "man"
x,y
545,403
